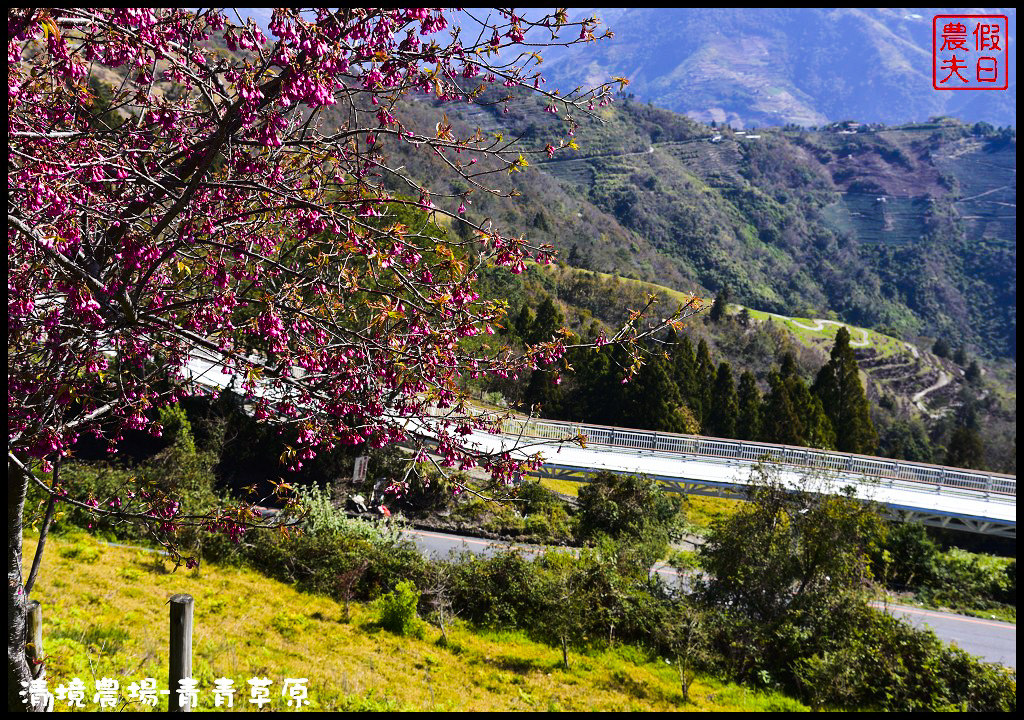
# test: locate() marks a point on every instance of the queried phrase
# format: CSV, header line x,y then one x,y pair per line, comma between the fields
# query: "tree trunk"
x,y
18,672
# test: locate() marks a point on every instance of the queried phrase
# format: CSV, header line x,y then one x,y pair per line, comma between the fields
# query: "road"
x,y
991,640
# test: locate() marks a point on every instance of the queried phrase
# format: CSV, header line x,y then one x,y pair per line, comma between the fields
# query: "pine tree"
x,y
780,422
725,405
748,422
844,401
651,400
718,308
704,383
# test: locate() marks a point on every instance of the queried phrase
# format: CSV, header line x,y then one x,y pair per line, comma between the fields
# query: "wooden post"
x,y
181,650
34,636
34,646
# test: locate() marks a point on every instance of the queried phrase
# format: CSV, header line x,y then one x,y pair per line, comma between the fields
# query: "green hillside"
x,y
105,615
911,229
917,397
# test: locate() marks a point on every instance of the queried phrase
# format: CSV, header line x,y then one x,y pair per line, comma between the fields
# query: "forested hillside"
x,y
741,373
910,229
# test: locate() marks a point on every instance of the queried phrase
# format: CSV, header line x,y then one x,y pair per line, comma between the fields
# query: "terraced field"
x,y
909,374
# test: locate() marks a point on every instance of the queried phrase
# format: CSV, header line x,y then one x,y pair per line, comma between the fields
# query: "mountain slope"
x,y
911,229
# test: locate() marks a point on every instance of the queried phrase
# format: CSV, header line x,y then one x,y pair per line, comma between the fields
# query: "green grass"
x,y
109,618
885,345
702,511
565,487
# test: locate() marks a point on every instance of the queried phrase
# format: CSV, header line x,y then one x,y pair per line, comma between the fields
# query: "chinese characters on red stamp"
x,y
969,52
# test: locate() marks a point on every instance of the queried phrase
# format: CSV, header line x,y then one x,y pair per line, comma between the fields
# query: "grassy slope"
x,y
105,616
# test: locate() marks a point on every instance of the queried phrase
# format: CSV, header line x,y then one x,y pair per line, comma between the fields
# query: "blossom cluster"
x,y
182,183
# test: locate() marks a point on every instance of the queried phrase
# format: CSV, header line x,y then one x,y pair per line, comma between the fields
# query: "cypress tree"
x,y
966,449
792,415
684,370
780,422
548,322
597,393
725,405
651,400
817,428
719,306
704,383
844,401
788,368
748,422
523,324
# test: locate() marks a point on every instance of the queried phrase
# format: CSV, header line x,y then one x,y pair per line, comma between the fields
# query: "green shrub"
x,y
81,551
632,510
398,610
289,625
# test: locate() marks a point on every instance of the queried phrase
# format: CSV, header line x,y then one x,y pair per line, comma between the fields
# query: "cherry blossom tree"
x,y
186,190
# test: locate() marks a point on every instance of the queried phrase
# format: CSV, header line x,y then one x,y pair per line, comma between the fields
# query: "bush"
x,y
784,591
398,610
904,669
912,556
632,510
965,580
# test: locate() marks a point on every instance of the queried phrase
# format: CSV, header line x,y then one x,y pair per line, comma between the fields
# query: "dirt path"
x,y
917,399
987,192
819,325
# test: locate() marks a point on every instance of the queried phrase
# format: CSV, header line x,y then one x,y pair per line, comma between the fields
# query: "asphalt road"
x,y
991,640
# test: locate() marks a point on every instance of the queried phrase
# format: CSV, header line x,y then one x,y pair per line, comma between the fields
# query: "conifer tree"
x,y
817,427
704,382
725,405
597,396
523,324
780,422
844,401
547,323
966,449
545,392
791,414
787,366
748,422
651,399
684,369
718,308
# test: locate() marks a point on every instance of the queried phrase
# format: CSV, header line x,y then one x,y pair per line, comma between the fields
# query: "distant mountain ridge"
x,y
757,67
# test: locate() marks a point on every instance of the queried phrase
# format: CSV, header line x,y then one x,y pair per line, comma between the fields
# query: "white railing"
x,y
596,436
207,372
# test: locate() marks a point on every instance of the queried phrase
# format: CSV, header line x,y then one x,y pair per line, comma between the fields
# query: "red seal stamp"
x,y
970,52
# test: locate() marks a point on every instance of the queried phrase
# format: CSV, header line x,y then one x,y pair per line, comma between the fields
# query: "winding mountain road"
x,y
819,325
